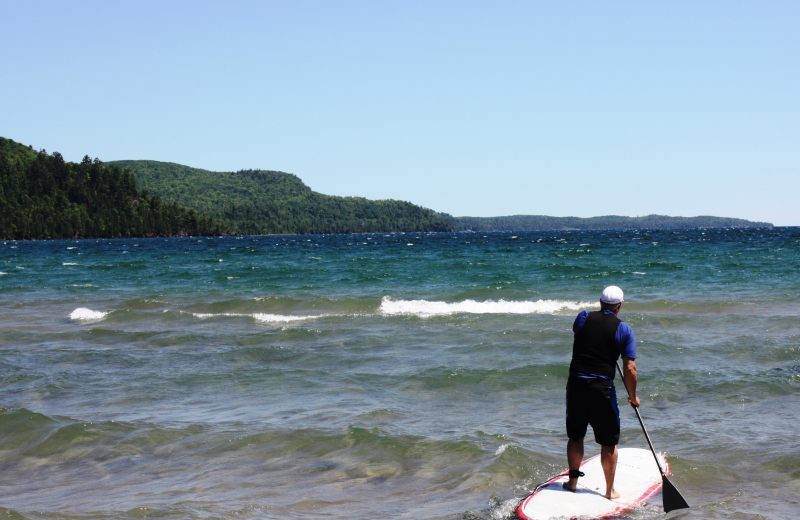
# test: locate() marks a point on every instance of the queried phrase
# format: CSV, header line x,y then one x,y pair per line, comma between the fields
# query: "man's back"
x,y
594,348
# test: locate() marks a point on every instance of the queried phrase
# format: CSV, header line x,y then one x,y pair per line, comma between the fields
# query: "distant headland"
x,y
44,196
608,222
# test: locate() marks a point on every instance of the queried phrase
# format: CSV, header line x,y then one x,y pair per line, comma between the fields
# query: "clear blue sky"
x,y
472,108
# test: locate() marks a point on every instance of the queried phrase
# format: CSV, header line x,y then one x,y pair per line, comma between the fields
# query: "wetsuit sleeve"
x,y
580,320
626,341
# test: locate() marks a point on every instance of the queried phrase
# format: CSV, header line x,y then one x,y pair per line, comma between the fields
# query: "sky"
x,y
579,108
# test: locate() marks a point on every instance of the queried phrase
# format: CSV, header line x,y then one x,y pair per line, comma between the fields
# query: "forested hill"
x,y
259,201
43,196
545,223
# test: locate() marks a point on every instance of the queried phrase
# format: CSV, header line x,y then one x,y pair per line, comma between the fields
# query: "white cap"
x,y
612,294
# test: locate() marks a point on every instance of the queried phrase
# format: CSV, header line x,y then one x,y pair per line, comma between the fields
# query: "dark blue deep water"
x,y
413,376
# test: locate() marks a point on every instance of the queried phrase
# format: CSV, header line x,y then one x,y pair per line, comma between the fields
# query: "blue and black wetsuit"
x,y
600,339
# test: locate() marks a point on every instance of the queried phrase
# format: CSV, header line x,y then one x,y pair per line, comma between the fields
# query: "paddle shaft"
x,y
639,416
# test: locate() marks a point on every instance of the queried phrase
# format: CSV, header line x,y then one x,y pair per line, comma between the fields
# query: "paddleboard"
x,y
637,478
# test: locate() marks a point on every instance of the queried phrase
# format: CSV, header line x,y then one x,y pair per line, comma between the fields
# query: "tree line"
x,y
43,196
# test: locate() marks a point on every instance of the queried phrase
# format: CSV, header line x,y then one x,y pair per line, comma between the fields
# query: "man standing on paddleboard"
x,y
600,338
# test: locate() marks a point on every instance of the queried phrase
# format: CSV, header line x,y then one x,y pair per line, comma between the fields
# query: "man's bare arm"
x,y
631,377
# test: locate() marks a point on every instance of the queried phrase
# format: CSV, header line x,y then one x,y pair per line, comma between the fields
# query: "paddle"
x,y
670,494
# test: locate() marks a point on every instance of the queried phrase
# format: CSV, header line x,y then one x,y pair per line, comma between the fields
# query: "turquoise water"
x,y
395,376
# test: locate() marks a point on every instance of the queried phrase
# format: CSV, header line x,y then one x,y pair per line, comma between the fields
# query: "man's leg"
x,y
605,423
608,459
577,422
574,459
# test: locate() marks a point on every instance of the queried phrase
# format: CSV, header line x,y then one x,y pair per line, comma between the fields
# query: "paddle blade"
x,y
672,497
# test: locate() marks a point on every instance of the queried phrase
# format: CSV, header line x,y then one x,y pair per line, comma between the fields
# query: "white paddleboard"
x,y
637,478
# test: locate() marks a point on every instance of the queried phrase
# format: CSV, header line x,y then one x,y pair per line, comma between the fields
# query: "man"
x,y
600,337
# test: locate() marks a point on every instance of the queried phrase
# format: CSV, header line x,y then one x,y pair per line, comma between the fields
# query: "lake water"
x,y
416,376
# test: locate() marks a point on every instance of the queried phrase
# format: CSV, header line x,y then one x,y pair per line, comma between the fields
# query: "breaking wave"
x,y
258,316
426,308
84,314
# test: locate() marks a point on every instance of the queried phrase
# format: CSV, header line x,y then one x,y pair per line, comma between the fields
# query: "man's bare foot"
x,y
570,485
611,495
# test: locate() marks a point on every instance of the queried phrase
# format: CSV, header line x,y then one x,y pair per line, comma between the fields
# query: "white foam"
x,y
205,316
501,449
85,315
258,316
280,318
425,308
504,509
68,263
2,273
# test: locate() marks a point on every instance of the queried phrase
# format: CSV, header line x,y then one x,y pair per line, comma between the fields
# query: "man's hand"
x,y
634,401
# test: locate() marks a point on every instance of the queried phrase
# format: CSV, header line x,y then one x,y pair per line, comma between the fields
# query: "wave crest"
x,y
426,308
280,318
258,316
85,315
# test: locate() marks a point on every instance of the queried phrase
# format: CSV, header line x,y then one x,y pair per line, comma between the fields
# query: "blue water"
x,y
396,376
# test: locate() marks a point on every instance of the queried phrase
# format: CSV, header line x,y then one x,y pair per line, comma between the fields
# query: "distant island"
x,y
609,222
43,196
